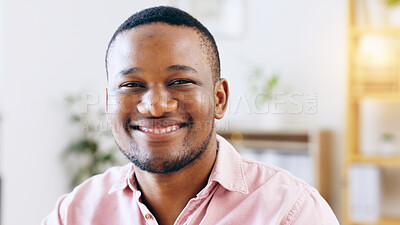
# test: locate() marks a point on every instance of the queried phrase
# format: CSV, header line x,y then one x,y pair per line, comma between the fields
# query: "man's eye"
x,y
131,85
181,81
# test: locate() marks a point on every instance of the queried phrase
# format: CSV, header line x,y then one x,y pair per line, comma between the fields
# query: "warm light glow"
x,y
377,52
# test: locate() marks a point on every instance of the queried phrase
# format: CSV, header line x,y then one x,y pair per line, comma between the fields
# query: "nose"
x,y
156,102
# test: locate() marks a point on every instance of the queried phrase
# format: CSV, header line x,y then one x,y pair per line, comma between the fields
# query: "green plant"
x,y
262,85
93,149
392,3
387,137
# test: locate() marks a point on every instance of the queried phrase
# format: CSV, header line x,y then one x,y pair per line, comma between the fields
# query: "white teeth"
x,y
160,131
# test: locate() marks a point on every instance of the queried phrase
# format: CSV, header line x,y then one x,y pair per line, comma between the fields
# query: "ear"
x,y
106,100
221,94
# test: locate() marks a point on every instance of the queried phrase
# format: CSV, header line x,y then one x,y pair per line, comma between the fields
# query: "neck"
x,y
167,194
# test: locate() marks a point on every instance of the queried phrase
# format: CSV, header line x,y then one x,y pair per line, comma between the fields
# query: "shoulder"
x,y
99,186
111,177
256,174
261,174
275,185
86,199
297,201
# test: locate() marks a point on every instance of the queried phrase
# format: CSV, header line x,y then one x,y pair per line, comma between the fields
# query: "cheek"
x,y
120,109
197,103
122,104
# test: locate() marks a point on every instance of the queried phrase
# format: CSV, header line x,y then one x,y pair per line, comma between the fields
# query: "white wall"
x,y
1,97
55,48
1,66
1,71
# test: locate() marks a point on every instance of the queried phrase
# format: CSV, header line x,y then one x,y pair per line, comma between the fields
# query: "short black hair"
x,y
172,16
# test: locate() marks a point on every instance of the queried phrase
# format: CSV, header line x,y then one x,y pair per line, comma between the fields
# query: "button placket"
x,y
150,220
188,211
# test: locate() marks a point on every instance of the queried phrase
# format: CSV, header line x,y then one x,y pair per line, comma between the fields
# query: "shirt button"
x,y
147,216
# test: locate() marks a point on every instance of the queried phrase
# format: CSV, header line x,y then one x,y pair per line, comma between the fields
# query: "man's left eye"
x,y
181,81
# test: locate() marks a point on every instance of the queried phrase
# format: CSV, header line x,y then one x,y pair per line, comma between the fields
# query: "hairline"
x,y
205,42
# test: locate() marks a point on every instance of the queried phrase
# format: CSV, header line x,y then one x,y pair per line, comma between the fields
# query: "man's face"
x,y
161,96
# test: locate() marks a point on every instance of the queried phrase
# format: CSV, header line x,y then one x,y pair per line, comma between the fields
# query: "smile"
x,y
159,130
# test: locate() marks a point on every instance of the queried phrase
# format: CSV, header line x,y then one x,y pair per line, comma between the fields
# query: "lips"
x,y
159,130
158,127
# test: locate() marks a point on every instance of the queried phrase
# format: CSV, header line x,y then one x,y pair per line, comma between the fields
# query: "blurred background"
x,y
315,89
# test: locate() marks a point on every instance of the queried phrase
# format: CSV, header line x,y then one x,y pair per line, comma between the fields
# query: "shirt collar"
x,y
125,181
228,168
227,171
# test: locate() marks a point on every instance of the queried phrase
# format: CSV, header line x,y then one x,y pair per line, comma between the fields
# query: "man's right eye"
x,y
131,85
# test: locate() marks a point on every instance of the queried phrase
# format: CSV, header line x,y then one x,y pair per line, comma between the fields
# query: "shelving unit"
x,y
381,85
377,160
315,143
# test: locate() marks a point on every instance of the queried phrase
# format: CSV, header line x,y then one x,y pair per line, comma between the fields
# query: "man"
x,y
164,92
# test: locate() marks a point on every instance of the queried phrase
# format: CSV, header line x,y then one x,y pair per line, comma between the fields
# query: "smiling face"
x,y
162,100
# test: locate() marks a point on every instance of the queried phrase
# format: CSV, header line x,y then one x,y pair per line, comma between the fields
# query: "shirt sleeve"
x,y
56,217
314,211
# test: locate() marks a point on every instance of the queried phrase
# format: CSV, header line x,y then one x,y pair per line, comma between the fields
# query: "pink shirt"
x,y
239,191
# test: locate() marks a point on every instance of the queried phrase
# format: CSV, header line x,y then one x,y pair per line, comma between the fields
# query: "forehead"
x,y
157,41
156,33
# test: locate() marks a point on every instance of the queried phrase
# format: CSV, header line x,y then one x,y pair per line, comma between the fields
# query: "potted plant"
x,y
92,150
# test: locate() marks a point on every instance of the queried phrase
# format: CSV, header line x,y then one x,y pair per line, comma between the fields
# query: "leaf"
x,y
273,81
75,118
69,99
82,146
392,3
107,157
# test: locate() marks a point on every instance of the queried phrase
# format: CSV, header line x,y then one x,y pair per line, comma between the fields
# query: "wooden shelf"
x,y
367,81
382,222
376,160
358,31
295,141
389,222
316,143
395,97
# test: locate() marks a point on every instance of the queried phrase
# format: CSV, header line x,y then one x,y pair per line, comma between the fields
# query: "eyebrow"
x,y
173,68
129,71
181,68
